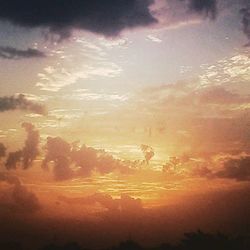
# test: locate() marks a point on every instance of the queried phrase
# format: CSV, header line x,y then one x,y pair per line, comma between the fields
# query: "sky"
x,y
123,118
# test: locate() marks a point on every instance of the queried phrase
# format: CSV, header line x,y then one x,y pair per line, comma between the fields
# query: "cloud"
x,y
238,169
227,167
203,115
154,39
28,153
13,159
108,18
173,14
80,59
2,150
11,179
58,151
13,53
246,23
148,152
60,18
18,198
125,203
205,7
220,95
30,150
85,158
222,90
22,103
71,161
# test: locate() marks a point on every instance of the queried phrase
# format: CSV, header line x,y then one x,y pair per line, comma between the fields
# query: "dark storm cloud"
x,y
206,7
18,198
22,103
246,23
28,153
13,53
107,17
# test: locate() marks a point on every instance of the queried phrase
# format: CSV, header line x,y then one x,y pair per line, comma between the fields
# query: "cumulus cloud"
x,y
58,151
22,103
28,153
14,53
148,152
85,158
18,198
71,161
60,17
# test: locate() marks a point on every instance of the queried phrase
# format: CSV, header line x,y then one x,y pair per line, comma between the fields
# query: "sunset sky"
x,y
123,118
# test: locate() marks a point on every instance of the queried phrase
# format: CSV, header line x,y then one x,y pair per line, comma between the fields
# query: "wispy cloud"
x,y
233,69
87,95
154,39
79,60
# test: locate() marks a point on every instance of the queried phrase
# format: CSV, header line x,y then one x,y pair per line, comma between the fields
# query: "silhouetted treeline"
x,y
191,241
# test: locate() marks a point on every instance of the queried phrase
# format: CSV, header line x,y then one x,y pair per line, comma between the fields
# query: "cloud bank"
x,y
61,16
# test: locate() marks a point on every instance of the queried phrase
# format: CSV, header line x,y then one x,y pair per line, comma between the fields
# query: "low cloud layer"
x,y
124,204
20,102
14,53
17,198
